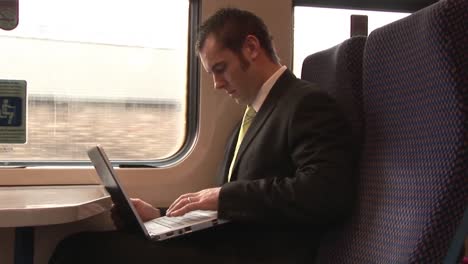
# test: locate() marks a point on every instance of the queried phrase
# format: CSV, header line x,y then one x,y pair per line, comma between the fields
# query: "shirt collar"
x,y
266,87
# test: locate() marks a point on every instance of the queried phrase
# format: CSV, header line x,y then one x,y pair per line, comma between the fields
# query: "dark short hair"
x,y
231,26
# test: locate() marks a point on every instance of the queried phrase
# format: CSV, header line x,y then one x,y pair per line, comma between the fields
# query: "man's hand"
x,y
145,210
203,200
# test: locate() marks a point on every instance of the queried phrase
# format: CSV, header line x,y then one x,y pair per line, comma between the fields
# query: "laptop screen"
x,y
108,176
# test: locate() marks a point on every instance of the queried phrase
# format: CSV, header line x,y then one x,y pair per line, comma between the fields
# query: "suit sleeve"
x,y
319,190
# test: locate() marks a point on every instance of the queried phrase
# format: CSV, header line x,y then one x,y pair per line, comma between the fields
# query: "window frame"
x,y
382,5
358,7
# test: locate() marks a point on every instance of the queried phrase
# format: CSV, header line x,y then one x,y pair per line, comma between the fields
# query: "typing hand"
x,y
144,209
203,200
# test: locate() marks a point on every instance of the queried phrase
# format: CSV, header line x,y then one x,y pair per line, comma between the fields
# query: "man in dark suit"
x,y
289,175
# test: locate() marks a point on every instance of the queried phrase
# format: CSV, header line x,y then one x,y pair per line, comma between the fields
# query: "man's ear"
x,y
252,47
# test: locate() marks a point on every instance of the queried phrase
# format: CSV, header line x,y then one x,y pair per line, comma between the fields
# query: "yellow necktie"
x,y
246,121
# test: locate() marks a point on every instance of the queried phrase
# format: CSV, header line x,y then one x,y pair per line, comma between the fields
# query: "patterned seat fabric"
x,y
414,167
338,71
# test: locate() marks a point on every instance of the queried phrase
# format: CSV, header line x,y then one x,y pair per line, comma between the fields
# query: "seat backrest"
x,y
413,185
338,71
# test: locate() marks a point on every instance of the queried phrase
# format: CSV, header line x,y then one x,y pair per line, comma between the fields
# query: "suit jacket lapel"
x,y
267,107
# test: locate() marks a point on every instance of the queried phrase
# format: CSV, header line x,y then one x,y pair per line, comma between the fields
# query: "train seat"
x,y
413,174
338,71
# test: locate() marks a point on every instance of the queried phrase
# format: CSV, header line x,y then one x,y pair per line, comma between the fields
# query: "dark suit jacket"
x,y
295,162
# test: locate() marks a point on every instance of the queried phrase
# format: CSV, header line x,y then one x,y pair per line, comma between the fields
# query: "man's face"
x,y
231,72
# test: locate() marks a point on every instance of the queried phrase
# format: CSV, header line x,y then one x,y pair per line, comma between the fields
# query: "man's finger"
x,y
185,209
180,198
181,201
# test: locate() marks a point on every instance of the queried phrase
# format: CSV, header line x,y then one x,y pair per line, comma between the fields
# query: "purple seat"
x,y
413,182
338,71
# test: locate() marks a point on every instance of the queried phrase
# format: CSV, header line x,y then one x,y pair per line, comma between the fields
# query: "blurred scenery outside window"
x,y
109,72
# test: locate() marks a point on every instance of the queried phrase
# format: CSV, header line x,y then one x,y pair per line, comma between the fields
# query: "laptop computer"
x,y
157,229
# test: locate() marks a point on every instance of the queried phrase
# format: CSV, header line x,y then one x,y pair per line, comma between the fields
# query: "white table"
x,y
25,207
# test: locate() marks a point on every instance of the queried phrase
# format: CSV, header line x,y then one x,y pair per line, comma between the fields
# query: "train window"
x,y
110,72
317,28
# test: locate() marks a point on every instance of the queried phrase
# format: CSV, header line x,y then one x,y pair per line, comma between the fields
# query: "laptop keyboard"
x,y
187,219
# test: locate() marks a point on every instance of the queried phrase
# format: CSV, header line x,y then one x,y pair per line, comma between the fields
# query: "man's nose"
x,y
219,82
